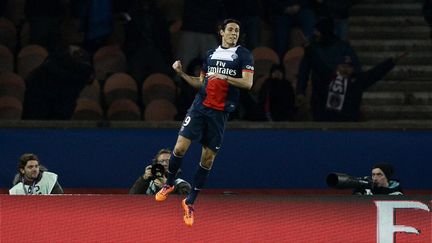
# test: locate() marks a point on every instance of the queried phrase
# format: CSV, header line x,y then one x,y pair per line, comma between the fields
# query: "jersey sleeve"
x,y
247,61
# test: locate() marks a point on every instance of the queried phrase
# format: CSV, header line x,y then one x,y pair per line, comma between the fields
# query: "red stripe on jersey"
x,y
247,70
217,90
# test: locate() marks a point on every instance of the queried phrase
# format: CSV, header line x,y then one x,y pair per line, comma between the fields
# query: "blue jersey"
x,y
218,94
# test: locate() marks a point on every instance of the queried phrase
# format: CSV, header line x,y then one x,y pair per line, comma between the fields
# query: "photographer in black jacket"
x,y
154,177
382,184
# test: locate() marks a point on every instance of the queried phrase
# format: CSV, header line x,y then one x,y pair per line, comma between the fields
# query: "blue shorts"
x,y
206,125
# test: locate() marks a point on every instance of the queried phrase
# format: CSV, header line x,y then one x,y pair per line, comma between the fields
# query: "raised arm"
x,y
195,82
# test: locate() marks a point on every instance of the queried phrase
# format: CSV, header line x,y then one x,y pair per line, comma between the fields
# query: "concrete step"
x,y
397,112
387,9
401,85
413,58
402,72
397,45
388,21
397,32
397,98
391,1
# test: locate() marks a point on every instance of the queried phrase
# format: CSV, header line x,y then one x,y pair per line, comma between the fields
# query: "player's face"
x,y
163,159
378,178
31,170
230,35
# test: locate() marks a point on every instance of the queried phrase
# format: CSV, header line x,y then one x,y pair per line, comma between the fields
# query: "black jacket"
x,y
393,189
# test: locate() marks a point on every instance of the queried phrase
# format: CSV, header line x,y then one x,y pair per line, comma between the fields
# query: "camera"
x,y
344,181
157,170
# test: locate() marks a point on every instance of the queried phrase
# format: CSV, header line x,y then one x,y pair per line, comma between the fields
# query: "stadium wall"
x,y
259,158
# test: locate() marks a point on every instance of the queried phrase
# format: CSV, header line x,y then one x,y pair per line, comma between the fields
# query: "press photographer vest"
x,y
43,187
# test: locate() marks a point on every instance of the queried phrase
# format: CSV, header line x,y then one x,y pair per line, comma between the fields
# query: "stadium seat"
x,y
124,110
160,110
265,53
120,85
262,71
291,62
91,91
87,109
264,58
158,86
10,108
30,58
6,59
175,32
109,60
8,33
12,84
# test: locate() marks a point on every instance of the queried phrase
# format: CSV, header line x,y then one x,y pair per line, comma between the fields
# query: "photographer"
x,y
154,177
33,178
382,184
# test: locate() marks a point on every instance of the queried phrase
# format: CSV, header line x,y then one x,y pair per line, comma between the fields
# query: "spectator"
x,y
248,13
339,11
45,19
147,45
52,89
275,100
34,179
286,14
198,28
154,177
341,89
325,46
382,182
277,96
96,23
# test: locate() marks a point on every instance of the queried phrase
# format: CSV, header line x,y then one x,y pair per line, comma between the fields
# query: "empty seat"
x,y
12,84
264,58
8,33
158,86
118,86
265,53
91,91
10,108
261,72
6,59
30,58
109,60
160,110
124,110
87,109
175,32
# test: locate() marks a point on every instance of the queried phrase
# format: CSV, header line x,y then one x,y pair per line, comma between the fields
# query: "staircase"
x,y
384,28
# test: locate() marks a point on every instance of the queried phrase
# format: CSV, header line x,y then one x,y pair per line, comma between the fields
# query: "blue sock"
x,y
199,181
174,165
